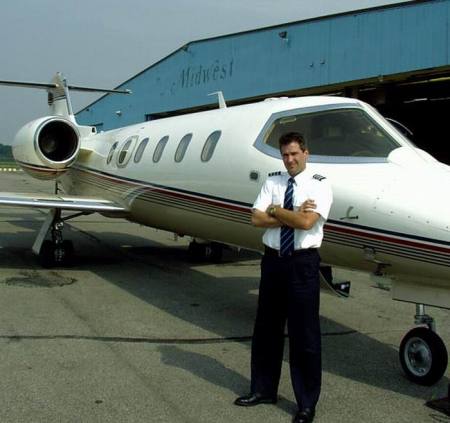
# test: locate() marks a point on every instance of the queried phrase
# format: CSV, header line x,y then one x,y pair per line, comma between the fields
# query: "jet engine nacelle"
x,y
47,147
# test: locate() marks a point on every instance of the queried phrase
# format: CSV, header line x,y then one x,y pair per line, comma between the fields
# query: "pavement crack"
x,y
146,340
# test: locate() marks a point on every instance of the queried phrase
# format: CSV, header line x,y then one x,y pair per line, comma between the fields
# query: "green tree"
x,y
6,153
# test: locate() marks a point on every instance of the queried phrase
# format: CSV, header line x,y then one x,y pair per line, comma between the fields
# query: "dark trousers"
x,y
289,289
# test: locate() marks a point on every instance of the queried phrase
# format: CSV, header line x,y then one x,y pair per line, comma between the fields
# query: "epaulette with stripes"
x,y
275,173
319,177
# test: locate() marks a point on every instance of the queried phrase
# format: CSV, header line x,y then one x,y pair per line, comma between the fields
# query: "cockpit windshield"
x,y
340,132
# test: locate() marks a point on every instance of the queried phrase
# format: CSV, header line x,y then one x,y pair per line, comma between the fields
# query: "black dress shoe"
x,y
254,399
304,416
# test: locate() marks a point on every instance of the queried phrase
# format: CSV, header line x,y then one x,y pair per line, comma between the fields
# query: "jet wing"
x,y
64,202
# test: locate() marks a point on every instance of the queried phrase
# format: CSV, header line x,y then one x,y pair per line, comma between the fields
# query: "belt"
x,y
276,253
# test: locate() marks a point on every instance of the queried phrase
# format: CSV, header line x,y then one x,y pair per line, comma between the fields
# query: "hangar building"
x,y
395,57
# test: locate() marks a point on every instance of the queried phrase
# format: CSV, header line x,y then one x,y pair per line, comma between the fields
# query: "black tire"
x,y
215,252
47,254
423,356
196,251
205,252
67,245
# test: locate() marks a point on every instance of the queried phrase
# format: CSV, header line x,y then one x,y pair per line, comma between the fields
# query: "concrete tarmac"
x,y
134,332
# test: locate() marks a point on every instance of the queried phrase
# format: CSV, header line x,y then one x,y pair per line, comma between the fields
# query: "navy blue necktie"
x,y
286,232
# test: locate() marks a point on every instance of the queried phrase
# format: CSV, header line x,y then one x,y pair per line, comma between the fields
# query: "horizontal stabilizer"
x,y
64,202
58,93
49,86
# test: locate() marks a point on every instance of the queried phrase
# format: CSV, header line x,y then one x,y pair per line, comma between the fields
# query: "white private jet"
x,y
198,175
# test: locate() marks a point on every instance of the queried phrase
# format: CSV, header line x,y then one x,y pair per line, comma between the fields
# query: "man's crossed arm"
x,y
275,215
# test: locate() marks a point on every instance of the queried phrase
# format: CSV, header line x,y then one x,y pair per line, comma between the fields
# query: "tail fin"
x,y
58,93
59,97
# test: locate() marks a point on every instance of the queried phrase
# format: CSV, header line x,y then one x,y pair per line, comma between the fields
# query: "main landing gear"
x,y
422,354
54,251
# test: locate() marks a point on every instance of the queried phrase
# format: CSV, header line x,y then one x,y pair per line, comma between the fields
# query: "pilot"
x,y
293,207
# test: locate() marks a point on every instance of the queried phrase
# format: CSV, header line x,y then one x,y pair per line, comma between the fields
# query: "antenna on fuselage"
x,y
220,99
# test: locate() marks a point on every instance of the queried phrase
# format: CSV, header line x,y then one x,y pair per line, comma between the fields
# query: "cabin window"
x,y
346,132
159,149
126,151
210,145
111,152
140,150
182,147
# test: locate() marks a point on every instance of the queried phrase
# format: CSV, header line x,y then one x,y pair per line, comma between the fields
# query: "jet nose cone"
x,y
418,203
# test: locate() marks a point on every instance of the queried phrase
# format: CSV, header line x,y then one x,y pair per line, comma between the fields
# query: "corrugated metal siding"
x,y
328,51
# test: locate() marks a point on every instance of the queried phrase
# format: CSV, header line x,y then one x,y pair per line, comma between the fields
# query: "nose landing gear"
x,y
423,355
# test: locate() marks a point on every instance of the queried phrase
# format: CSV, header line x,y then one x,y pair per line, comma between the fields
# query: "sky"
x,y
101,43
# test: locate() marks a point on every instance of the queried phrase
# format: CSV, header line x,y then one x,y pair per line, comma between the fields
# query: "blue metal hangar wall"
x,y
394,57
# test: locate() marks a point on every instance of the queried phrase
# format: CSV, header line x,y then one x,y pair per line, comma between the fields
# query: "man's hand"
x,y
308,206
265,219
304,218
275,216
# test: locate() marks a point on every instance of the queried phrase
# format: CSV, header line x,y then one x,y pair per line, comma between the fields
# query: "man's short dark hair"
x,y
289,137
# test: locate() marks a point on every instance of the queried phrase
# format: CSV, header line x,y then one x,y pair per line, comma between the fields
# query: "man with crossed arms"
x,y
293,206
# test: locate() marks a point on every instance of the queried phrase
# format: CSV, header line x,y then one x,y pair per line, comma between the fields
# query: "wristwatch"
x,y
272,210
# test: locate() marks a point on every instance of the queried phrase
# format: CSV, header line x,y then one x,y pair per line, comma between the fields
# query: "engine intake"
x,y
57,141
47,147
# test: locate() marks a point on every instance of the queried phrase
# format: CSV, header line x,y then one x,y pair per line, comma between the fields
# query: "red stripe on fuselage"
x,y
41,169
167,191
201,200
329,227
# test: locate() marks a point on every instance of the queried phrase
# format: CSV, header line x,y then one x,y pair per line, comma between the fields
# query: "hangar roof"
x,y
321,54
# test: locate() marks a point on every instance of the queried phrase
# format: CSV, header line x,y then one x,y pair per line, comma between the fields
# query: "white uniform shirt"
x,y
307,186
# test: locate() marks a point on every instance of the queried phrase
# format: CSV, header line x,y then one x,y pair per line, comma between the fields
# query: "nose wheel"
x,y
423,355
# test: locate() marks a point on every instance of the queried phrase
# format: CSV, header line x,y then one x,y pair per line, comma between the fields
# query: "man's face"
x,y
294,158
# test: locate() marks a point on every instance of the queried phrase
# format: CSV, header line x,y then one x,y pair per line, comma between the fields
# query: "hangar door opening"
x,y
423,107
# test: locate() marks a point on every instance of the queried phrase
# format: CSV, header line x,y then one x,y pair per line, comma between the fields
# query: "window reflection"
x,y
123,153
210,145
182,147
140,150
160,149
343,132
111,152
